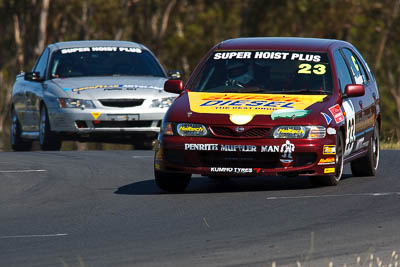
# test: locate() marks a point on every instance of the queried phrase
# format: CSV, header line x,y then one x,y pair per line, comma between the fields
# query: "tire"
x,y
172,182
368,165
17,142
48,140
331,180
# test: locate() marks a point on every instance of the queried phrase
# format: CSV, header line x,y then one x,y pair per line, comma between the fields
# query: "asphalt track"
x,y
102,208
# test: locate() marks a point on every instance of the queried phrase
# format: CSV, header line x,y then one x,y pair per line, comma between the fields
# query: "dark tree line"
x,y
180,32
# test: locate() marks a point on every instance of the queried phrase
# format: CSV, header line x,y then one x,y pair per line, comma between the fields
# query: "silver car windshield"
x,y
285,72
104,61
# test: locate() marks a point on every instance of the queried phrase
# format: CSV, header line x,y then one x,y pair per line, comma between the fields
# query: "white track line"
x,y
30,236
343,195
7,171
139,157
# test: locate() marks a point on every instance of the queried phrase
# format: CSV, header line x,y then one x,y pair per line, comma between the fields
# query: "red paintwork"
x,y
365,117
173,86
354,90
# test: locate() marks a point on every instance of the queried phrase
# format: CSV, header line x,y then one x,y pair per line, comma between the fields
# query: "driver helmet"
x,y
240,71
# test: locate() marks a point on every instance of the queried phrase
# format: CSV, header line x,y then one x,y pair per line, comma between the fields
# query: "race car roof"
x,y
279,43
89,43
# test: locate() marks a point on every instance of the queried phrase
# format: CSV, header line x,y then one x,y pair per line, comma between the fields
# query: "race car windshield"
x,y
104,61
265,72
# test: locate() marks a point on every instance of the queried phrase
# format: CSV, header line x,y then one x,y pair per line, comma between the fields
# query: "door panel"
x,y
33,94
18,99
363,104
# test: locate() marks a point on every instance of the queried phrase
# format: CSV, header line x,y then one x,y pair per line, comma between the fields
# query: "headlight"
x,y
312,132
316,132
191,129
75,103
162,102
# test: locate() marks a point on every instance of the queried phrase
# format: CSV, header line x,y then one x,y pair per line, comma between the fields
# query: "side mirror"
x,y
175,74
32,76
173,86
354,90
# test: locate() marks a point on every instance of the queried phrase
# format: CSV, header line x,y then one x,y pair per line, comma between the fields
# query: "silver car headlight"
x,y
311,132
164,102
75,103
191,129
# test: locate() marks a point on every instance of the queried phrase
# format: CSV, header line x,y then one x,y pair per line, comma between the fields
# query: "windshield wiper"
x,y
244,90
301,91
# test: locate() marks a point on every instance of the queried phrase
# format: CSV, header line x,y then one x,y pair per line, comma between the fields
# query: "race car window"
x,y
265,72
356,67
368,72
104,61
342,71
40,65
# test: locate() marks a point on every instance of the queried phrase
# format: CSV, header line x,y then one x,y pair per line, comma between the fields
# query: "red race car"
x,y
272,106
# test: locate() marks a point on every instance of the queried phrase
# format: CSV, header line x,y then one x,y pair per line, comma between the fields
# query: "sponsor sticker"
x,y
327,118
286,149
350,125
329,150
241,148
291,131
157,166
289,113
202,147
232,170
266,55
361,144
110,87
101,49
250,104
337,113
286,154
188,128
327,161
96,115
329,170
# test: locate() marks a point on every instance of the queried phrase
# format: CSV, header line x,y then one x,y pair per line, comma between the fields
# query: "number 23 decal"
x,y
351,126
318,69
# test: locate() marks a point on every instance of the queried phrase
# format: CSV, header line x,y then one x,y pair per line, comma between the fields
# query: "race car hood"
x,y
112,87
250,109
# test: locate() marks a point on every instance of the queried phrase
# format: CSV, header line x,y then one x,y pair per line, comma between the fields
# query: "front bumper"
x,y
212,156
88,121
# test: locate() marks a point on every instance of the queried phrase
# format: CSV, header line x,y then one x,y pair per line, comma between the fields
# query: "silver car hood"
x,y
113,87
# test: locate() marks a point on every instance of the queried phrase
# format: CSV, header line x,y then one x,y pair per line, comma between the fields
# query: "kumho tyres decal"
x,y
248,105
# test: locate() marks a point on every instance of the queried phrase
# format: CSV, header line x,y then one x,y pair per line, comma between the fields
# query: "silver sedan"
x,y
89,91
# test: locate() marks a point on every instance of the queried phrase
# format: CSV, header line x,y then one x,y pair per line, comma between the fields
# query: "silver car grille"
x,y
121,103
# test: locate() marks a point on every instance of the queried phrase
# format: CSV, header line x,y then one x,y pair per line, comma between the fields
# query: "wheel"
x,y
48,139
330,180
368,165
17,142
172,182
